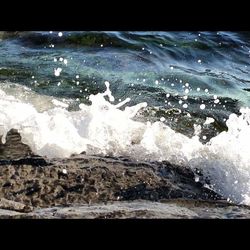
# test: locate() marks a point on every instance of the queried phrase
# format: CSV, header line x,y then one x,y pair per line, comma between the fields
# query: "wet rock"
x,y
74,39
9,34
13,148
15,206
168,209
80,186
93,179
33,161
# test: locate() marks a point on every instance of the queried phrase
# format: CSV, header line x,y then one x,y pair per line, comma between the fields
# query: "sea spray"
x,y
103,128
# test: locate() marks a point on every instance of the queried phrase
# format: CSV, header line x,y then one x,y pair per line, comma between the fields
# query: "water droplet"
x,y
57,71
202,106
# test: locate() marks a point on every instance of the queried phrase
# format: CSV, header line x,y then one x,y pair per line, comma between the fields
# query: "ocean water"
x,y
182,97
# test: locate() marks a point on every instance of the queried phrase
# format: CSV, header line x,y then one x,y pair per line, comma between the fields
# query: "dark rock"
x,y
247,89
37,182
93,179
14,148
36,161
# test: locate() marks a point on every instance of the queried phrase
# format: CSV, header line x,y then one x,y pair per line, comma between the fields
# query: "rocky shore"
x,y
85,186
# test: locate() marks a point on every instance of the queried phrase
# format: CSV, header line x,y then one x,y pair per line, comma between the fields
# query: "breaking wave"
x,y
52,130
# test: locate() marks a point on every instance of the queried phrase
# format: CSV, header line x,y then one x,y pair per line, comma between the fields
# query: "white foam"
x,y
102,128
60,104
209,120
202,106
57,71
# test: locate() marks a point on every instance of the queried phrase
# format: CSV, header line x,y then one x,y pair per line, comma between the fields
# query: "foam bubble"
x,y
202,106
57,71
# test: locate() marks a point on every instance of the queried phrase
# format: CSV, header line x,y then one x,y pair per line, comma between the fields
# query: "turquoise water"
x,y
145,66
126,58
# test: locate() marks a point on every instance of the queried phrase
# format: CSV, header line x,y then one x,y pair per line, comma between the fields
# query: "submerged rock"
x,y
9,34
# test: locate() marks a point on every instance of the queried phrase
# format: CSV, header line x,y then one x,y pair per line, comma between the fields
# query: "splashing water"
x,y
103,128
